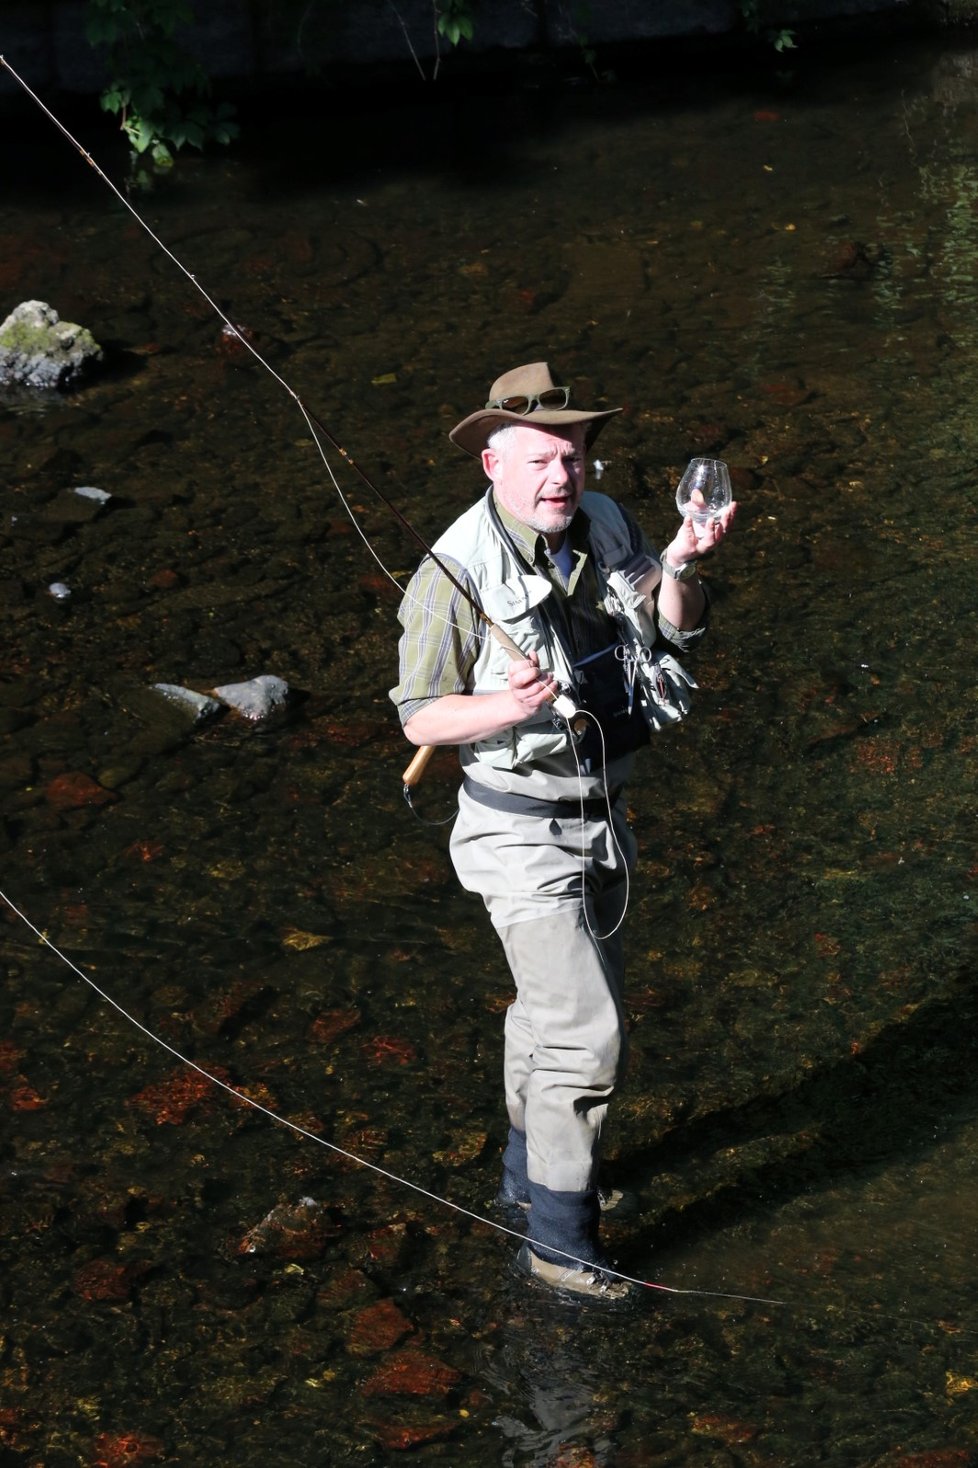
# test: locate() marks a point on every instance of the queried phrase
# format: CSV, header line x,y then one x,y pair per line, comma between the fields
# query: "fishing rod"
x,y
563,704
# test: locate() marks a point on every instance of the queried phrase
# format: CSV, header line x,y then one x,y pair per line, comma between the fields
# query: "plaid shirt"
x,y
443,634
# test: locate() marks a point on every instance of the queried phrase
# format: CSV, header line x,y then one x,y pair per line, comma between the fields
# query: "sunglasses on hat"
x,y
551,397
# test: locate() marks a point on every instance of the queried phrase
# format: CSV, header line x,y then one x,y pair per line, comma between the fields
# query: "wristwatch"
x,y
682,572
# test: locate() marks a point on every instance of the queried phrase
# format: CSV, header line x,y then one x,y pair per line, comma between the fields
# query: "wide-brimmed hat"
x,y
527,395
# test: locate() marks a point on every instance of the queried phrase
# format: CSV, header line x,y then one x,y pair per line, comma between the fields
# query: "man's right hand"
x,y
530,686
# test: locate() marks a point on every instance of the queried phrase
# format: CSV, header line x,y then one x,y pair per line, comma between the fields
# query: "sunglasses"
x,y
551,397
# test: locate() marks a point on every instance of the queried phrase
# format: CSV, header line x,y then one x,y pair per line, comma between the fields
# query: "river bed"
x,y
777,271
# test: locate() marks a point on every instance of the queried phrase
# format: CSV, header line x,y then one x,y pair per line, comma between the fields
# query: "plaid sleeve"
x,y
440,641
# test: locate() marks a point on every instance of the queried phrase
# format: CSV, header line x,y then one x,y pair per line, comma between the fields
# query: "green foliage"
x,y
158,90
781,38
455,20
580,19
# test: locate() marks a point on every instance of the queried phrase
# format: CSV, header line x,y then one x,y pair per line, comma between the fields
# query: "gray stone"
x,y
198,705
257,698
72,507
39,350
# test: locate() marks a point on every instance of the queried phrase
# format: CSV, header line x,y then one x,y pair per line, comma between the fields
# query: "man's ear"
x,y
490,463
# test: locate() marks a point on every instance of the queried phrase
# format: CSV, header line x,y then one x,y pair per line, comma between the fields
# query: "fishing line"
x,y
317,429
600,937
318,432
374,1167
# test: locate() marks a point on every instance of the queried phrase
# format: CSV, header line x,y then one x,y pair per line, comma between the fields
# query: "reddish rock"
x,y
387,1246
725,1429
373,581
103,1279
73,790
413,1373
122,1449
367,1143
344,1288
76,914
378,1327
332,1023
574,1455
172,1101
164,580
301,1230
877,755
388,1050
10,1056
785,394
399,1437
23,1096
529,300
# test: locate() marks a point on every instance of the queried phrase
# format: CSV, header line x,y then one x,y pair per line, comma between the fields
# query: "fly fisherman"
x,y
541,833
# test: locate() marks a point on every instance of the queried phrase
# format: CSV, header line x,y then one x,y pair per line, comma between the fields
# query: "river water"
x,y
776,270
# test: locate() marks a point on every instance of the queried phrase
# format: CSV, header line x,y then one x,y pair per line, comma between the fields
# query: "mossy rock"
x,y
39,350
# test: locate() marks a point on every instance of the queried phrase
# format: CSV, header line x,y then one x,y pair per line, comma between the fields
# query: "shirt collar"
x,y
531,544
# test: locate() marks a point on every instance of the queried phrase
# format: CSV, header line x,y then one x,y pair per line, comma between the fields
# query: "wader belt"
x,y
529,805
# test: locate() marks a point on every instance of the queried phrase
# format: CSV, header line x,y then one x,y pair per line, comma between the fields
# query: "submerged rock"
x,y
197,705
301,1230
257,698
75,506
39,350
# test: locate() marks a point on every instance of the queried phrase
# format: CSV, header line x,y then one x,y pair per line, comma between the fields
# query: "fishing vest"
x,y
515,598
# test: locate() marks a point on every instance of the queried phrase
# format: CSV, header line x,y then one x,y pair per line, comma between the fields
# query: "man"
x,y
541,833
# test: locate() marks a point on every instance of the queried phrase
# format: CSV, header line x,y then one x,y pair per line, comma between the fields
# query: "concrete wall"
x,y
275,39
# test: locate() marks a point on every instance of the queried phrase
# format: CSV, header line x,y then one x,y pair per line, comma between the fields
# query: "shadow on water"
x,y
909,1088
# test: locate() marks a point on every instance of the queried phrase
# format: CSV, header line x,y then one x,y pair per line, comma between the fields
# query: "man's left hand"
x,y
693,540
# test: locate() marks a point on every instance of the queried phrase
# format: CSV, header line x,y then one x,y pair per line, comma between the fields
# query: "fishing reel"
x,y
565,712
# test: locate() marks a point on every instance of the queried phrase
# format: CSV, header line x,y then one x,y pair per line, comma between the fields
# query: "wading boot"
x,y
562,1250
579,1282
514,1194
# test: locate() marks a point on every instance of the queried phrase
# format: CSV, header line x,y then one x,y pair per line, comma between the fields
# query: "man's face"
x,y
538,475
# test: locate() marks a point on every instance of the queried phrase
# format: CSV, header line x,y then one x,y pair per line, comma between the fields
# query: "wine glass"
x,y
704,490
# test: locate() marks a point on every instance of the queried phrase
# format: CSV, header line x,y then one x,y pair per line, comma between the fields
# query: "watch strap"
x,y
683,572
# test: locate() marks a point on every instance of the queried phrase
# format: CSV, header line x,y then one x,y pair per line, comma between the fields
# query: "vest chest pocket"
x,y
512,605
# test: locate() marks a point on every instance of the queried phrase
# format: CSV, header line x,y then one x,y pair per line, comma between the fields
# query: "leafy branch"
x,y
454,20
780,38
158,90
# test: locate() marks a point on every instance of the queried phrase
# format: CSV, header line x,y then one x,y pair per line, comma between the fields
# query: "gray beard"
x,y
553,528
